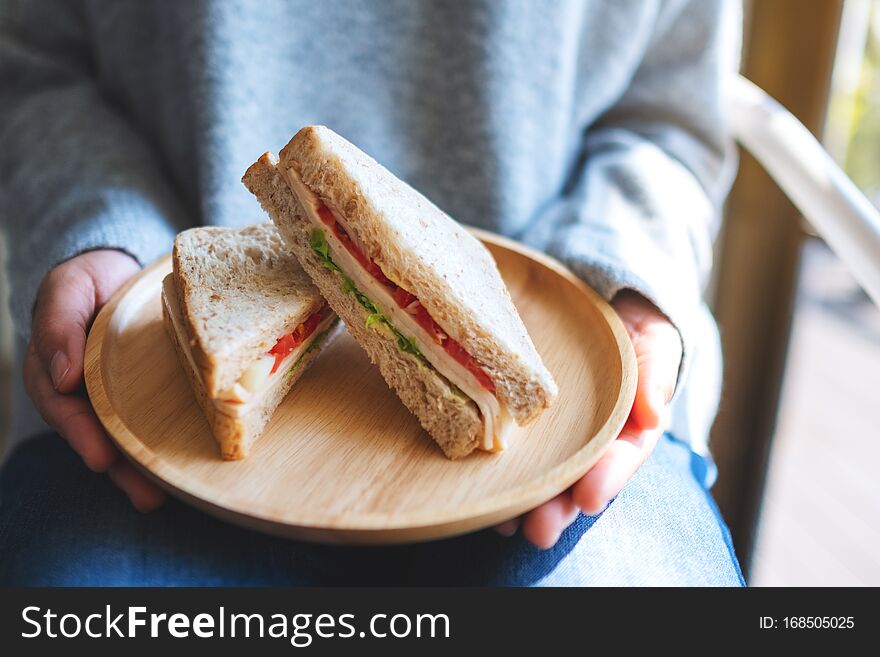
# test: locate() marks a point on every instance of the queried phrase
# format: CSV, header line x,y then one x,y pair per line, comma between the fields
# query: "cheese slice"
x,y
497,422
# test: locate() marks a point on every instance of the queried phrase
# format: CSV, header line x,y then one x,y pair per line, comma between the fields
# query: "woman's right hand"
x,y
69,298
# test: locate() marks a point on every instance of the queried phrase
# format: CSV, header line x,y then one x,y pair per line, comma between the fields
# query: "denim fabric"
x,y
61,524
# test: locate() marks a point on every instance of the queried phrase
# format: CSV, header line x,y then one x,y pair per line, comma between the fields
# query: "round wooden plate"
x,y
342,460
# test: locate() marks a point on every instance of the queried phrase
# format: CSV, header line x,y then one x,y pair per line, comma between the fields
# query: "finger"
x,y
606,479
69,415
543,526
145,496
508,527
65,305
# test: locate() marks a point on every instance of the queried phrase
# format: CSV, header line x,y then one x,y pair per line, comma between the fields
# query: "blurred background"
x,y
795,440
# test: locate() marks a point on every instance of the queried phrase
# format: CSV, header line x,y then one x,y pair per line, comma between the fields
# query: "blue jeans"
x,y
61,524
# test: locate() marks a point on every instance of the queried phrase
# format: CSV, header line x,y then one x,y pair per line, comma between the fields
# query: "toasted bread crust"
x,y
452,421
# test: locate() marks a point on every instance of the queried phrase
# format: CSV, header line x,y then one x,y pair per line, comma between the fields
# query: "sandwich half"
x,y
246,322
421,295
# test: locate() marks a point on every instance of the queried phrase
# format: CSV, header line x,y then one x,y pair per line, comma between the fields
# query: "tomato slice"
x,y
371,267
326,216
404,298
423,318
458,353
286,344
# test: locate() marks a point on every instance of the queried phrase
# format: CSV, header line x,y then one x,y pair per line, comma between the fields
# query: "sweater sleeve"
x,y
642,209
74,174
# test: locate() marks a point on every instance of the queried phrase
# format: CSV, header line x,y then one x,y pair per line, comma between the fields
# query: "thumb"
x,y
658,348
68,299
65,306
658,372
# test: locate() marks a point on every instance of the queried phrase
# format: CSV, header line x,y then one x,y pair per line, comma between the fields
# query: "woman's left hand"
x,y
658,353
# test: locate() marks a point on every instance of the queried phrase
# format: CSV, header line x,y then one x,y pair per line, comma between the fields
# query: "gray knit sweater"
x,y
592,129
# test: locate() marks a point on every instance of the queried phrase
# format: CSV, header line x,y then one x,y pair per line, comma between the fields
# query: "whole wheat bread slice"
x,y
234,434
451,419
425,251
240,290
432,256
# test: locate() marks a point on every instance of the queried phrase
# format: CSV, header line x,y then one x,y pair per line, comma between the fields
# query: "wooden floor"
x,y
821,519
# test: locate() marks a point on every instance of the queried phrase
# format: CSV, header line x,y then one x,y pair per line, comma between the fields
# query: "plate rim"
x,y
372,527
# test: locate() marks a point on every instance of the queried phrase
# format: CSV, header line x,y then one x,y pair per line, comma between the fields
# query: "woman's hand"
x,y
69,298
658,353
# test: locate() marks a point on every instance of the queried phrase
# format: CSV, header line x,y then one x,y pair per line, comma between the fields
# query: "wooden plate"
x,y
342,460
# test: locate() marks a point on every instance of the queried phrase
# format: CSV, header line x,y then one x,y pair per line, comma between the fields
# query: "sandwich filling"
x,y
395,310
268,370
271,368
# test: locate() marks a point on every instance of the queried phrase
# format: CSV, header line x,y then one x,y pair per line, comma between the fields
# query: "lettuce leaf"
x,y
347,285
407,344
318,242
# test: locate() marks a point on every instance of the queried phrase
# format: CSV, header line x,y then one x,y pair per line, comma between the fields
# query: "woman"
x,y
592,130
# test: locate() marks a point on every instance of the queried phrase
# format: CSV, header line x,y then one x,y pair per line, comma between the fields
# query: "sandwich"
x,y
422,296
246,322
